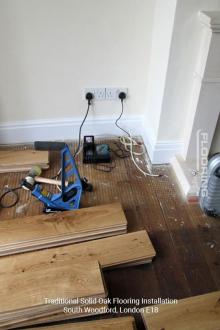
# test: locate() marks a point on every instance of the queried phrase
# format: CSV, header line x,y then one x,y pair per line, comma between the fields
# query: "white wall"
x,y
182,64
52,49
160,51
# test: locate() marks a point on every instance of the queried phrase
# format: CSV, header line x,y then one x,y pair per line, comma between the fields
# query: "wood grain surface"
x,y
22,160
110,252
66,279
187,242
46,230
199,312
119,323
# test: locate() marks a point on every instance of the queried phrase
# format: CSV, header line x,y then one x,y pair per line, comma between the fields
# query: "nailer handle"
x,y
49,146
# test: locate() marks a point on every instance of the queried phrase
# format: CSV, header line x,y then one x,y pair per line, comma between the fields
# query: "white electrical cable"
x,y
128,142
129,147
131,141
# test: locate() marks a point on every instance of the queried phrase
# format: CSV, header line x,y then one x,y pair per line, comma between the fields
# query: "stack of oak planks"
x,y
44,231
27,296
68,271
22,160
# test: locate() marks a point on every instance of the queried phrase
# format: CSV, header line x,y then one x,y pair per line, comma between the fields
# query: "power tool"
x,y
71,184
95,153
210,188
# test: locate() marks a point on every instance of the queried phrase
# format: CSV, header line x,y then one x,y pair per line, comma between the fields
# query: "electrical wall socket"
x,y
112,93
105,94
88,90
99,94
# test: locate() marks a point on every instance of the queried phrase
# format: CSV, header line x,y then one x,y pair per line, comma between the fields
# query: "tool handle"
x,y
39,179
49,146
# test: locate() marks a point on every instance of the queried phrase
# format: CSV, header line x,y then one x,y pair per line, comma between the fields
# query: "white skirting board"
x,y
160,152
63,129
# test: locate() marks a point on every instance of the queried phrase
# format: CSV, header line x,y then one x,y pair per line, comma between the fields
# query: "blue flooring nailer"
x,y
71,186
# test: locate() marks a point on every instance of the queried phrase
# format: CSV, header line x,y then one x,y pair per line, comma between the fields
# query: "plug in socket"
x,y
112,94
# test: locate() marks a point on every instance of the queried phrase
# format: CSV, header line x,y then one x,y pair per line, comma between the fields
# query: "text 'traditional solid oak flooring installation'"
x,y
186,241
23,294
199,312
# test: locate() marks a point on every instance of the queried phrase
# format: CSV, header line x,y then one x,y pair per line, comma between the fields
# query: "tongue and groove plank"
x,y
55,316
23,294
22,160
27,290
52,225
119,323
42,231
129,249
198,312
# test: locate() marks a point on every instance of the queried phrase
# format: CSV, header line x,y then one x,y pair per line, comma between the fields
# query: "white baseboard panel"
x,y
161,152
64,129
189,182
68,129
164,151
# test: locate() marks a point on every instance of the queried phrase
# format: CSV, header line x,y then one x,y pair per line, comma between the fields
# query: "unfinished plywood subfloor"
x,y
186,241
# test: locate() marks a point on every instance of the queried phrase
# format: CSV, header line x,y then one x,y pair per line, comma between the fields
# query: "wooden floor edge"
x,y
121,320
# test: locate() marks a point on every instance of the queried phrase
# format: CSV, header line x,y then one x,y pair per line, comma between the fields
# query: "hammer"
x,y
34,176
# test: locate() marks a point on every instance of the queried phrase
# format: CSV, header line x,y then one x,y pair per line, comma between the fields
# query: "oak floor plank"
x,y
22,160
169,275
27,289
110,252
47,230
198,312
119,323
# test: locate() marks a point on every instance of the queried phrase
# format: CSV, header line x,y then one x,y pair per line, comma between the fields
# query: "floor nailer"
x,y
70,183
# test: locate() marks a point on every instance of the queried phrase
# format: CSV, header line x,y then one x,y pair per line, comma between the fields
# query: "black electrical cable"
x,y
80,129
119,152
117,120
104,167
89,97
12,191
122,96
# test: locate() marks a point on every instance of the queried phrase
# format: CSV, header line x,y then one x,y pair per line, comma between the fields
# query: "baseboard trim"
x,y
64,129
160,152
164,151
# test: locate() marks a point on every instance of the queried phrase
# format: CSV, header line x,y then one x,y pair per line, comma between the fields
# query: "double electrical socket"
x,y
105,94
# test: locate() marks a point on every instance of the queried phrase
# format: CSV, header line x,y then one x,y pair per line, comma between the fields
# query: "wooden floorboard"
x,y
119,323
57,229
22,160
186,241
23,294
198,312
